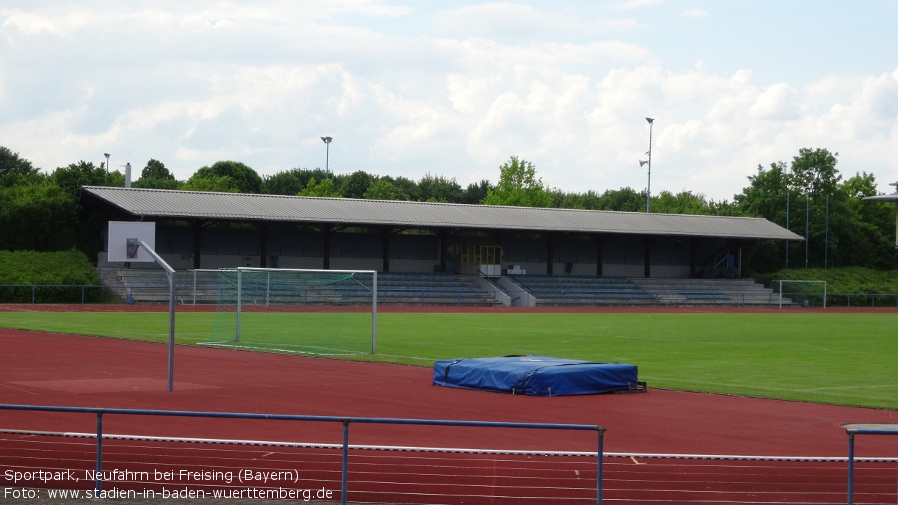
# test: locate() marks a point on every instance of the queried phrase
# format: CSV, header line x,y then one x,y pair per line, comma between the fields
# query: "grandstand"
x,y
199,287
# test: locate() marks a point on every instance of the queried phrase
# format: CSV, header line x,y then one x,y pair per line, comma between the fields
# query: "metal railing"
x,y
344,421
862,429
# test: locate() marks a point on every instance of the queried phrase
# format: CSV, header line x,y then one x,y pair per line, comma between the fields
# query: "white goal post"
x,y
809,288
296,310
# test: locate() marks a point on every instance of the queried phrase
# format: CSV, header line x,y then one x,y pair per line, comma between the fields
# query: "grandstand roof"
x,y
172,204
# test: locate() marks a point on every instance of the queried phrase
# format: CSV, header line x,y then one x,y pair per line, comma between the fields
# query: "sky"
x,y
455,88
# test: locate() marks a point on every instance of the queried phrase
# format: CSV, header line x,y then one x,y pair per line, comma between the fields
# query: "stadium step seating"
x,y
710,292
553,291
431,289
150,286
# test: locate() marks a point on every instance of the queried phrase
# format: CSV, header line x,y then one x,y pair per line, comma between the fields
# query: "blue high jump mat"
x,y
537,376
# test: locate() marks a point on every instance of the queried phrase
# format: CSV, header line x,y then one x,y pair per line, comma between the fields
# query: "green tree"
x,y
381,189
767,193
809,198
684,202
155,176
875,222
622,200
406,189
211,182
356,184
14,169
71,178
243,178
323,188
291,182
476,192
439,189
814,172
519,186
39,216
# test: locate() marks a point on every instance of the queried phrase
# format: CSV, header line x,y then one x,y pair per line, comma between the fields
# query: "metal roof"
x,y
172,204
883,198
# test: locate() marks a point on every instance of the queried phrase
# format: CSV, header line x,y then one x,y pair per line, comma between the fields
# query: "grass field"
x,y
833,357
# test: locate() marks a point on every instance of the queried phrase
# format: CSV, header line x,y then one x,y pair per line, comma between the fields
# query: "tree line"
x,y
42,211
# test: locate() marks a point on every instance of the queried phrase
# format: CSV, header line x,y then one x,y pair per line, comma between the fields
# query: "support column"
x,y
197,242
263,245
385,247
647,270
692,254
326,247
550,254
443,247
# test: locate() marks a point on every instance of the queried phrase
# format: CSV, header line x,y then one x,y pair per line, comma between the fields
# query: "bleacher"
x,y
552,291
150,286
432,289
555,291
709,292
138,285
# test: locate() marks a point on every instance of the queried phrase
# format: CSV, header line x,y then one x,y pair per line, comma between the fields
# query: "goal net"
x,y
801,293
296,311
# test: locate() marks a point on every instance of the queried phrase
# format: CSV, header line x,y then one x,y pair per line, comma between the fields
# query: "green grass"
x,y
840,358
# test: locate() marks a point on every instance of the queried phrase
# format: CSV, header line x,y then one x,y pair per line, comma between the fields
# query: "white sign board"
x,y
121,231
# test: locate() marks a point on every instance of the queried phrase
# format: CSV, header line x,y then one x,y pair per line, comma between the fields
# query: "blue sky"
x,y
455,88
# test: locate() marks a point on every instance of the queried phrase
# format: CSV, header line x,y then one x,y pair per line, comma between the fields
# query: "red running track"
x,y
48,369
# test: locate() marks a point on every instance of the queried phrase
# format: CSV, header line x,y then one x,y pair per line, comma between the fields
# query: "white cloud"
x,y
505,20
191,83
695,13
635,4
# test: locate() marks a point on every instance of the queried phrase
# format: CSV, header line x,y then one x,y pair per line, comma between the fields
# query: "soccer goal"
x,y
325,312
802,293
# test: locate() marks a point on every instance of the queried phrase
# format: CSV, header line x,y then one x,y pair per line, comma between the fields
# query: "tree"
x,y
243,178
861,232
211,182
622,200
84,173
406,189
476,192
519,186
814,172
766,194
290,182
356,185
381,189
323,188
439,189
155,176
40,216
155,169
839,228
684,202
14,169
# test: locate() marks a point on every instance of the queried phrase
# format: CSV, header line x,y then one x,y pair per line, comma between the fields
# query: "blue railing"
x,y
345,421
862,429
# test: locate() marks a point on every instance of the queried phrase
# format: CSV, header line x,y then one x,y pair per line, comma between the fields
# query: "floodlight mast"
x,y
648,189
327,142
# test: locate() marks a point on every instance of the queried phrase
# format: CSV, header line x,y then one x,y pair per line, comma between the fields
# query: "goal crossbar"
x,y
780,282
270,287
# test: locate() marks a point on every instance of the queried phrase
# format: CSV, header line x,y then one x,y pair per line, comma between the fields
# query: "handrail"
x,y
853,429
345,421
